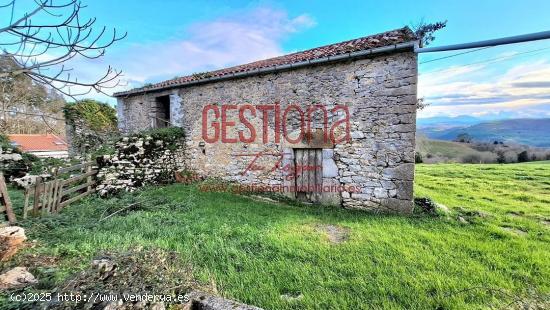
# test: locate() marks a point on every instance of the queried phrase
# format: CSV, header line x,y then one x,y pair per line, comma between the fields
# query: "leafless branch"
x,y
42,49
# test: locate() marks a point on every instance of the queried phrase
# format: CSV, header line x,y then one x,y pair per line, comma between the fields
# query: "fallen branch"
x,y
128,207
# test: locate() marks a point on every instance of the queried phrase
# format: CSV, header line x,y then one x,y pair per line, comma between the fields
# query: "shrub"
x,y
511,157
418,158
90,125
169,135
471,159
501,159
43,165
424,205
464,138
523,157
17,168
98,116
481,158
5,142
106,149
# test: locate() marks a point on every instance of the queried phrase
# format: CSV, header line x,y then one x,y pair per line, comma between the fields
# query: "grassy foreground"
x,y
490,251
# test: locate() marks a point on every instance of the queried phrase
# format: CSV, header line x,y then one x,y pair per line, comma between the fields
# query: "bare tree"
x,y
45,38
28,107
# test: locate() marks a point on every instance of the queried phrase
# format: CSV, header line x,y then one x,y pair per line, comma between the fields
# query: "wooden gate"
x,y
5,203
54,195
309,174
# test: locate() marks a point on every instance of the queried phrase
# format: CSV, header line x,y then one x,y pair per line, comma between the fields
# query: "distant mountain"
x,y
461,120
534,132
447,121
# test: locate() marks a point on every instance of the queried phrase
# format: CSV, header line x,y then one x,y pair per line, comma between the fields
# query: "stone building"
x,y
345,113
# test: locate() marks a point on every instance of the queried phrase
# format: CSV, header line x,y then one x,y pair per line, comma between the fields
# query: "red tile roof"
x,y
34,143
361,44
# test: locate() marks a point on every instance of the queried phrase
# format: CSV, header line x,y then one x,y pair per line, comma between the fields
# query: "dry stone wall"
x,y
139,160
379,92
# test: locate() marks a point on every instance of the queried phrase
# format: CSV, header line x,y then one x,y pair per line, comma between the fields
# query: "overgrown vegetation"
x,y
4,141
424,205
29,163
492,251
15,168
171,136
425,31
201,75
92,127
167,134
98,116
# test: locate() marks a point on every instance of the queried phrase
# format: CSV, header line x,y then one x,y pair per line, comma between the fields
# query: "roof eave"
x,y
405,46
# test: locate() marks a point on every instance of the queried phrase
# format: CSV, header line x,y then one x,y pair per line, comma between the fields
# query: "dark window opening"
x,y
161,112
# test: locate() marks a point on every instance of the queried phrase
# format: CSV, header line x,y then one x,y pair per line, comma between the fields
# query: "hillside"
x,y
533,132
435,151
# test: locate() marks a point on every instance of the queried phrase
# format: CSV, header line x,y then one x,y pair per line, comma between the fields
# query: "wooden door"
x,y
309,174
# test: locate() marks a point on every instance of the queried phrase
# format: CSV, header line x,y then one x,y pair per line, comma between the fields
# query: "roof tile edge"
x,y
382,43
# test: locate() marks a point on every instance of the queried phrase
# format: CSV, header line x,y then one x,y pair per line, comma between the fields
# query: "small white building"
x,y
41,145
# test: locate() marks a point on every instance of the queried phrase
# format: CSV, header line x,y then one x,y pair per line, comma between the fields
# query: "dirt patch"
x,y
514,230
516,214
264,199
292,297
336,234
472,213
33,260
466,216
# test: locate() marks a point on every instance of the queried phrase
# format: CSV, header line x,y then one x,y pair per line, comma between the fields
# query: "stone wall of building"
x,y
379,92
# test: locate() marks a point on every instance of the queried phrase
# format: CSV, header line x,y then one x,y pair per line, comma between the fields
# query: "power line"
x,y
493,42
457,54
491,60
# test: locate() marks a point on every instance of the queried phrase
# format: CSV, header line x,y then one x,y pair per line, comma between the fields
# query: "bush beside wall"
x,y
90,125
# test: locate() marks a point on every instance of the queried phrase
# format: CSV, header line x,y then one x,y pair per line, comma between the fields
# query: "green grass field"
x,y
491,251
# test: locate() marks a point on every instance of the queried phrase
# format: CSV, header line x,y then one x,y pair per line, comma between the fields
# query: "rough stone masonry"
x,y
374,77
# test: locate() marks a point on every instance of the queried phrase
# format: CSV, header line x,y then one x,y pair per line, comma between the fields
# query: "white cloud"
x,y
477,90
227,41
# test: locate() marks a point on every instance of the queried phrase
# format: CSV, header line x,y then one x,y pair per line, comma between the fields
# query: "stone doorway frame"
x,y
330,172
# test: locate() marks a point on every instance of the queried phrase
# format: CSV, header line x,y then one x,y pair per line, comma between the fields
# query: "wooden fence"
x,y
54,195
8,217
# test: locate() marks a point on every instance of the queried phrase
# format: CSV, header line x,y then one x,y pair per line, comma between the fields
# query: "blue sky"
x,y
173,38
